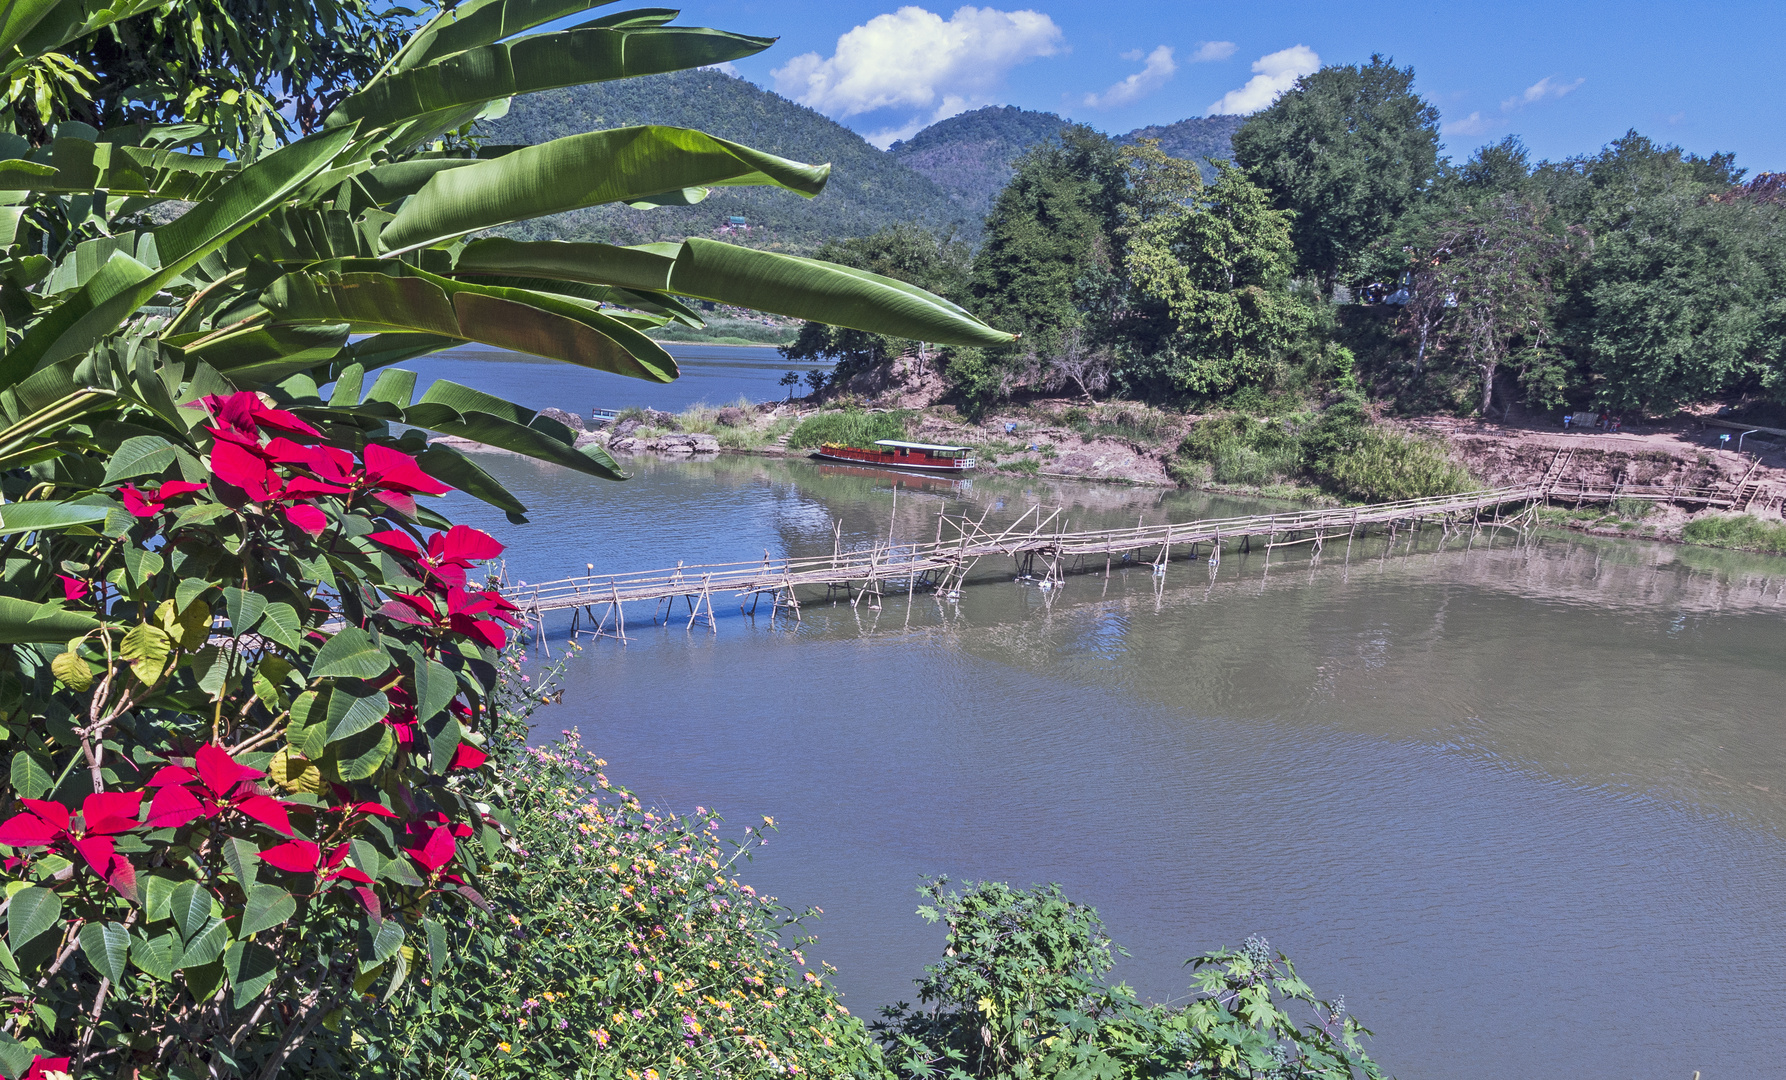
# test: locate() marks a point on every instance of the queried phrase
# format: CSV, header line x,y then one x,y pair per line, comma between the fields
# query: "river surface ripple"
x,y
1520,803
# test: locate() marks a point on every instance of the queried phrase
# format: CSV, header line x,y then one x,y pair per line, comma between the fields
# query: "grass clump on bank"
x,y
1132,422
850,428
1742,532
1341,451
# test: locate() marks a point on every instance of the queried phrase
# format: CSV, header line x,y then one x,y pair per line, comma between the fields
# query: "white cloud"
x,y
1473,124
725,68
1156,74
1543,90
1274,73
915,59
1212,50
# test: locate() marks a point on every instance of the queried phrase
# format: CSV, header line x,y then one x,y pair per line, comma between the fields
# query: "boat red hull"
x,y
888,459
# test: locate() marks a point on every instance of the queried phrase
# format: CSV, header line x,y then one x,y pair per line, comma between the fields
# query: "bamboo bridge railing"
x,y
1044,549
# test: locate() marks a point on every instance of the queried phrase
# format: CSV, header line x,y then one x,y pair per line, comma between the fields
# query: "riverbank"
x,y
1268,456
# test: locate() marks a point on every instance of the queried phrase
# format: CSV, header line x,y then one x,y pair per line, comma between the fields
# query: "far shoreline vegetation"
x,y
1304,323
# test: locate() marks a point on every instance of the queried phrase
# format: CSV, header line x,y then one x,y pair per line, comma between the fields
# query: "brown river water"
x,y
1523,804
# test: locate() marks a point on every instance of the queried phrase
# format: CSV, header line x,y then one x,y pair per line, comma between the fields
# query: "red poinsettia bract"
x,y
46,1068
220,783
103,815
450,554
149,503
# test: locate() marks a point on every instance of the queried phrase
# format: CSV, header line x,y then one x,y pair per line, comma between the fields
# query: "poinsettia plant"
x,y
244,667
257,765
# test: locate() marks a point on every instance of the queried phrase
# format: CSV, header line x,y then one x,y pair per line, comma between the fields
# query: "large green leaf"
x,y
544,62
449,466
382,350
410,300
621,165
33,437
107,948
19,16
351,654
22,517
259,354
767,281
457,410
37,26
24,621
75,166
73,326
480,22
32,911
268,906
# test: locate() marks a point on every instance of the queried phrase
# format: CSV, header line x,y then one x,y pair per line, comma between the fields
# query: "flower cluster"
x,y
623,941
294,468
443,603
252,759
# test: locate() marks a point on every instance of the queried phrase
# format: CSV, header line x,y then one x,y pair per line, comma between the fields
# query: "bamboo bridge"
x,y
1044,549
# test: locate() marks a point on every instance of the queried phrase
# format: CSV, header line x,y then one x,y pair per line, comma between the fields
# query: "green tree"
x,y
253,73
1681,298
937,263
1483,281
1020,993
1219,259
1050,257
1349,150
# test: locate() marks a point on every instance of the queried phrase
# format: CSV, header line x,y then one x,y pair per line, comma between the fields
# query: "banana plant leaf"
x,y
448,465
408,300
124,284
767,281
260,354
35,27
480,22
32,437
584,170
543,62
81,166
452,409
19,517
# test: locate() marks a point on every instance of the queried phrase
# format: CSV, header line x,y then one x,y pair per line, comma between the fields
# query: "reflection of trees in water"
x,y
1616,666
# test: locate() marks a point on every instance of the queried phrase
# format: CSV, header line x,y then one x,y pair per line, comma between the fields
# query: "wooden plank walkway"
x,y
1044,549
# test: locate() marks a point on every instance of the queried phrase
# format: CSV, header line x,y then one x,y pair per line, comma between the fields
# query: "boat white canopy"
x,y
895,443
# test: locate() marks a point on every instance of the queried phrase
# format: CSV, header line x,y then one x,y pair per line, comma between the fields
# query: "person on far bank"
x,y
1603,420
1568,418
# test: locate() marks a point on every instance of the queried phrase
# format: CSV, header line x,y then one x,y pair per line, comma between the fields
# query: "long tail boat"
x,y
892,453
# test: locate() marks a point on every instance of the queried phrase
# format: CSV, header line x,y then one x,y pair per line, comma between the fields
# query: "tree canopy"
x,y
1348,149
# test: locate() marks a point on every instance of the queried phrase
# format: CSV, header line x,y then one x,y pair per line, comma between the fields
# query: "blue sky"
x,y
1565,76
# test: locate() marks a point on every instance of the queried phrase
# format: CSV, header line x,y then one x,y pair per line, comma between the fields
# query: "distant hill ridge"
x,y
945,176
971,154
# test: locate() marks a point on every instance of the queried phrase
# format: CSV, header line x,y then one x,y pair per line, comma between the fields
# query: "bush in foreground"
x,y
618,945
1020,993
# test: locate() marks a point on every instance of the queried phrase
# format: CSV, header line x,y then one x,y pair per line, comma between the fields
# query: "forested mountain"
x,y
970,155
1195,139
869,189
946,176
